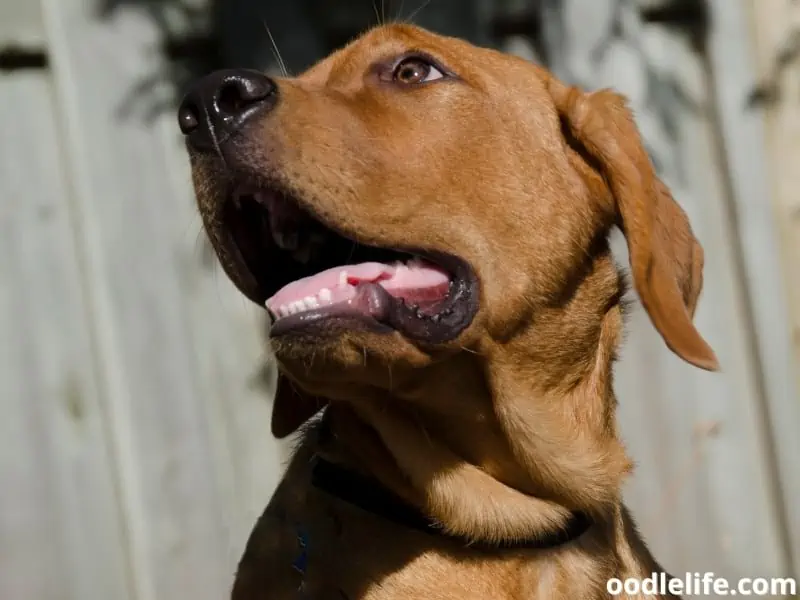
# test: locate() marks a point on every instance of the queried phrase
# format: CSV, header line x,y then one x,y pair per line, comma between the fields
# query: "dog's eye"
x,y
413,71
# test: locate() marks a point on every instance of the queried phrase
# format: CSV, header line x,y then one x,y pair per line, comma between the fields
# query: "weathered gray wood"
x,y
775,22
21,24
61,531
755,236
701,455
140,236
233,365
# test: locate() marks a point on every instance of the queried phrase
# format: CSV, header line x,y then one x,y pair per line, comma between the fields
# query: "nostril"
x,y
234,96
231,100
222,102
188,118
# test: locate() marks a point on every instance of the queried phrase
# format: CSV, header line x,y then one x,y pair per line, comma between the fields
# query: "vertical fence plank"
x,y
767,277
235,371
61,534
139,238
703,459
21,24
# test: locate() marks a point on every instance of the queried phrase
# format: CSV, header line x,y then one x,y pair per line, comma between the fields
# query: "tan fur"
x,y
500,433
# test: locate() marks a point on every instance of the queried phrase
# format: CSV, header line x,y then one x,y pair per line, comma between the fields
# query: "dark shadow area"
x,y
16,58
197,39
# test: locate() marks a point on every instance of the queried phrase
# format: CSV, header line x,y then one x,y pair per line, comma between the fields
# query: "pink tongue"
x,y
331,287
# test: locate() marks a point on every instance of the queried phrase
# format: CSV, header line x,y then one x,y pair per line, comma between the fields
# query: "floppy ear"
x,y
292,407
666,259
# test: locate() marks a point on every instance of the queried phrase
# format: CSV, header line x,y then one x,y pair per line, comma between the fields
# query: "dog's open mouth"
x,y
310,274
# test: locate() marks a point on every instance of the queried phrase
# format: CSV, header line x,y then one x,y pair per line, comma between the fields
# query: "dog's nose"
x,y
220,103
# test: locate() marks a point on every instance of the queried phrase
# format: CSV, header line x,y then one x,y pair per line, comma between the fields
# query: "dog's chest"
x,y
331,560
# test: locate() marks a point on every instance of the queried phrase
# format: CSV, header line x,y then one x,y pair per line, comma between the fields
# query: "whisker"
x,y
475,352
217,148
377,14
276,52
352,251
414,14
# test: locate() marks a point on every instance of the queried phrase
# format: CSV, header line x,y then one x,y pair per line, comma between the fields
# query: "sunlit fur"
x,y
501,432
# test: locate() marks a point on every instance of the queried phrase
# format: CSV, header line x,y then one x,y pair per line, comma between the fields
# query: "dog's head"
x,y
413,197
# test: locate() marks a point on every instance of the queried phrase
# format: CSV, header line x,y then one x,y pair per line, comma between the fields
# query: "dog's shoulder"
x,y
272,563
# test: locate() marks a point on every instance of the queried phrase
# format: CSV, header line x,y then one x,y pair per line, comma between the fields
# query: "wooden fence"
x,y
135,452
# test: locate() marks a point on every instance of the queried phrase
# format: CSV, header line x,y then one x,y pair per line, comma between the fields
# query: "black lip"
x,y
453,317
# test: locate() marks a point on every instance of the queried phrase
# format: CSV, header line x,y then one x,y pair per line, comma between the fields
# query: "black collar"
x,y
369,495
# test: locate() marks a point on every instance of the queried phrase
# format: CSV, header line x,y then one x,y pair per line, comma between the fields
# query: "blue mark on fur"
x,y
300,563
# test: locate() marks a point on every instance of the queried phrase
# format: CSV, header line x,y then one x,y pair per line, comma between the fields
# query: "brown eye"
x,y
412,71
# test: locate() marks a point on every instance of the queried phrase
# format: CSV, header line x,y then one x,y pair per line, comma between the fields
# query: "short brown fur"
x,y
502,432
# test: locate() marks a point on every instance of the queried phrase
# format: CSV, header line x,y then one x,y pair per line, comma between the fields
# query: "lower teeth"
x,y
435,317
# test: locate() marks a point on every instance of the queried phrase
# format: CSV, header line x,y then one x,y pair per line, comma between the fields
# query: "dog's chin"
x,y
339,359
318,284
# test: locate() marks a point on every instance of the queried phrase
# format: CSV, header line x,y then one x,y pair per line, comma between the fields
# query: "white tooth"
x,y
343,279
298,306
283,310
325,296
310,302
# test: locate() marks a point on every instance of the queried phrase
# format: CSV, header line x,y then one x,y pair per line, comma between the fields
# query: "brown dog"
x,y
427,222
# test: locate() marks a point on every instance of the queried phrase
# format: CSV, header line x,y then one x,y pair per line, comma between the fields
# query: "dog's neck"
x,y
457,463
366,493
507,441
